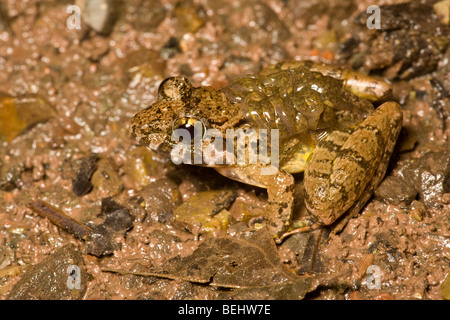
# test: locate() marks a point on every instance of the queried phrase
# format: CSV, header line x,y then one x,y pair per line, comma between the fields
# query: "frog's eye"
x,y
194,127
174,88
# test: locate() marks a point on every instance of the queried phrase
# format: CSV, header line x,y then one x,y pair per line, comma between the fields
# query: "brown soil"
x,y
71,174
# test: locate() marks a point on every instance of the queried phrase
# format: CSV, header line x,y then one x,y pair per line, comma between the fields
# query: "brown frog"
x,y
324,125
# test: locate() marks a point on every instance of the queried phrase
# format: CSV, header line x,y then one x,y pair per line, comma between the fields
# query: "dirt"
x,y
66,98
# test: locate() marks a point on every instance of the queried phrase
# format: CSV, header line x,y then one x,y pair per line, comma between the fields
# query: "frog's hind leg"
x,y
280,188
299,226
346,168
393,109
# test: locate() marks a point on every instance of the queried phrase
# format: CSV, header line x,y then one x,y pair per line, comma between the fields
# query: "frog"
x,y
327,128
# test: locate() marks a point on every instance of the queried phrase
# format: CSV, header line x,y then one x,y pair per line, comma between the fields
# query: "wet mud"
x,y
77,190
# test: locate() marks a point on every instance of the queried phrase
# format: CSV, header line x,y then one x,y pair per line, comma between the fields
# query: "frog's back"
x,y
296,101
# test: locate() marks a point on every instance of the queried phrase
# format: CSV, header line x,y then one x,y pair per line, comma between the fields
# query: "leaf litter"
x,y
250,264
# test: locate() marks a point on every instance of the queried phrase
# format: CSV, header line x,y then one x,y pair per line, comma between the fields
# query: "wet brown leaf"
x,y
293,290
48,280
250,263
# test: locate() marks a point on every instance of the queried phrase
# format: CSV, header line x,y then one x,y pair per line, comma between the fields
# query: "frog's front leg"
x,y
279,185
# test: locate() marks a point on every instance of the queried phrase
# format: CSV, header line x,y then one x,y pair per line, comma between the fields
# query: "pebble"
x,y
149,14
85,167
204,212
118,218
189,17
140,167
429,175
418,210
106,178
445,288
101,242
171,48
160,197
4,18
442,9
395,190
268,21
17,114
10,176
100,15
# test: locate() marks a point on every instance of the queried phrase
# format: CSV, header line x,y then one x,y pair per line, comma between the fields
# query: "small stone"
x,y
160,197
4,18
268,21
17,114
445,288
140,167
50,279
118,218
418,210
297,243
204,212
10,176
149,14
85,167
106,178
430,176
395,190
101,242
171,48
442,9
100,15
190,17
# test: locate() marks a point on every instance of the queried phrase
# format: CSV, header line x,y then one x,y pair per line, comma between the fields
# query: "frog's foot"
x,y
280,197
298,226
280,187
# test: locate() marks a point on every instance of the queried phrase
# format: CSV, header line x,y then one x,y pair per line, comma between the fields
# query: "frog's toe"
x,y
297,226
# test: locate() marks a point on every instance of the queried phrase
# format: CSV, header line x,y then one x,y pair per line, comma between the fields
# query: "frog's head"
x,y
182,106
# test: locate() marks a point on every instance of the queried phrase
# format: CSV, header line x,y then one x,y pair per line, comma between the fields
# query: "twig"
x,y
58,218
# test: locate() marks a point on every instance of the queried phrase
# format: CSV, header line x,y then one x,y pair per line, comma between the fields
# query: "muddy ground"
x,y
80,200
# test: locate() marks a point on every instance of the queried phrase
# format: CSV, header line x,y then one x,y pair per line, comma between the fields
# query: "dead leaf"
x,y
293,290
250,263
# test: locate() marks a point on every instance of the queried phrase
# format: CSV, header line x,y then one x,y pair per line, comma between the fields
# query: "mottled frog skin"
x,y
327,128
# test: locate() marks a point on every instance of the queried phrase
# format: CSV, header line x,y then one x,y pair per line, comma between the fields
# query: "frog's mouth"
x,y
162,148
159,143
188,143
179,143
